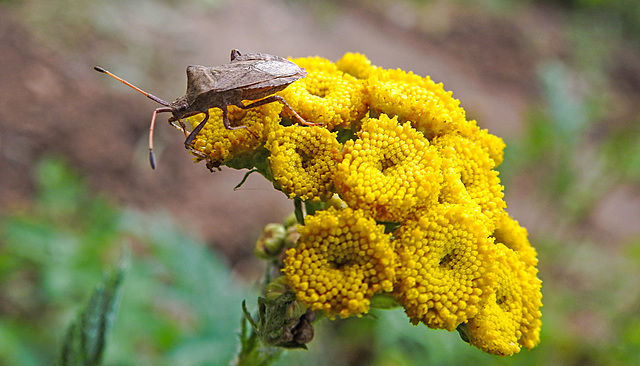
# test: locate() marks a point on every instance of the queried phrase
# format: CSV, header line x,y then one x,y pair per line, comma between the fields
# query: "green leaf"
x,y
311,207
383,301
297,210
389,227
85,341
244,179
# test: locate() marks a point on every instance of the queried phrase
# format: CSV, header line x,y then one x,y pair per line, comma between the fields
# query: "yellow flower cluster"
x,y
513,237
393,151
355,64
342,258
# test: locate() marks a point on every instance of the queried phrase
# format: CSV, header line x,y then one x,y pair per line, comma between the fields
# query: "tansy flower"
x,y
355,64
342,258
301,160
327,95
467,164
315,63
389,171
445,265
219,144
491,144
504,321
515,237
431,109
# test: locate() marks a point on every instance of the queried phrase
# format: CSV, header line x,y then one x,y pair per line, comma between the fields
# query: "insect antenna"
x,y
149,95
167,108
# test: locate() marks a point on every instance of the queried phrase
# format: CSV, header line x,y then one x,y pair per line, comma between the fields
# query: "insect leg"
x,y
227,124
152,159
277,98
180,126
194,133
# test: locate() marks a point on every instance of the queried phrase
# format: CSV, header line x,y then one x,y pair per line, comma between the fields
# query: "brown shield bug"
x,y
254,76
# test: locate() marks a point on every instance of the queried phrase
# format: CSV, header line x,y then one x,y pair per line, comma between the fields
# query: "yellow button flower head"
x,y
469,165
444,265
342,258
219,144
390,171
327,95
503,323
430,108
491,144
301,160
515,237
316,63
355,64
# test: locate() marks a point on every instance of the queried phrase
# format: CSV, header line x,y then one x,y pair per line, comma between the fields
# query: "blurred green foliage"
x,y
572,161
180,305
86,337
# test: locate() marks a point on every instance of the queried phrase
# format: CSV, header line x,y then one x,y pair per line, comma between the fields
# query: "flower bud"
x,y
283,321
271,241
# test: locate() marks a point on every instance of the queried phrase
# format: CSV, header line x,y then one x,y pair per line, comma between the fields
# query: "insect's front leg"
x,y
182,127
194,133
192,136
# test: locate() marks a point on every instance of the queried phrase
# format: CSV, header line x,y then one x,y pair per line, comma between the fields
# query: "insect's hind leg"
x,y
277,98
227,124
